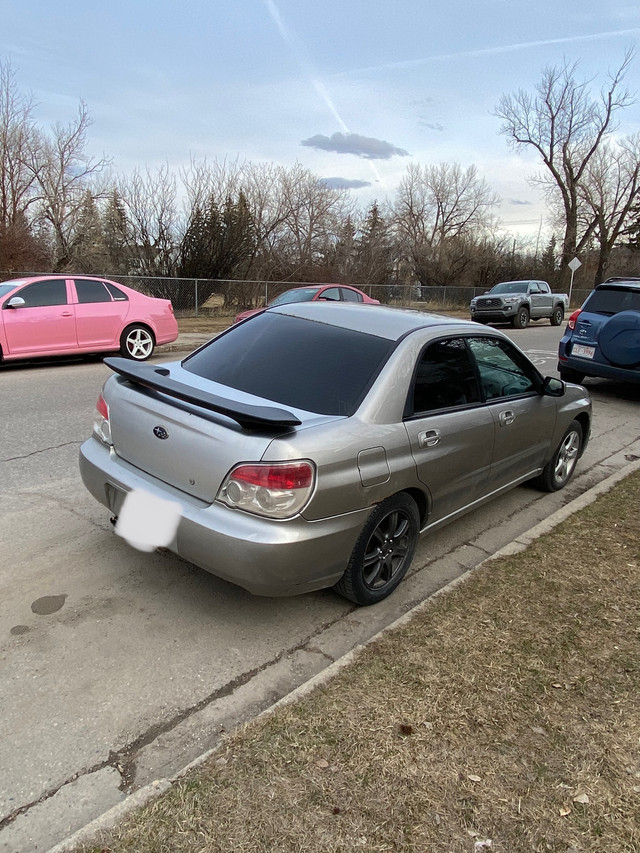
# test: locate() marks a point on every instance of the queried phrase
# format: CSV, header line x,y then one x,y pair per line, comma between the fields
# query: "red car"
x,y
68,315
314,293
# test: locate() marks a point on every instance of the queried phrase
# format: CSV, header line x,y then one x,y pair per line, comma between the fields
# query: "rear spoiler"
x,y
159,379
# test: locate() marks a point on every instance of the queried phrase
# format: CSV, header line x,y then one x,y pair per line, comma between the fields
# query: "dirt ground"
x,y
213,323
505,716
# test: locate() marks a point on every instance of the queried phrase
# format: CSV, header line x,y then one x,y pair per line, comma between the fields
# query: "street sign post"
x,y
573,266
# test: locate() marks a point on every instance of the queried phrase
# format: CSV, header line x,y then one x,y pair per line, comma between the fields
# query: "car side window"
x,y
350,295
332,294
118,295
444,378
89,290
504,372
43,293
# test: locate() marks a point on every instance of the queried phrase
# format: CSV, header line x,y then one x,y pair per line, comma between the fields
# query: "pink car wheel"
x,y
137,342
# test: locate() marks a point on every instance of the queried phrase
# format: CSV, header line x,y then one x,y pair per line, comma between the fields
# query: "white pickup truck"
x,y
517,302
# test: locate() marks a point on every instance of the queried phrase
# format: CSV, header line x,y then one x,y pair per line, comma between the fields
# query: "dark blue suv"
x,y
603,337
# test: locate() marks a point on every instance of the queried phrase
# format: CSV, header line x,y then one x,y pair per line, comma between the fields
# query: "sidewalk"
x,y
186,342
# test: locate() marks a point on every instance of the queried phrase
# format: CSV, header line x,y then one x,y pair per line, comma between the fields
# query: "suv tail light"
x,y
101,425
572,319
273,490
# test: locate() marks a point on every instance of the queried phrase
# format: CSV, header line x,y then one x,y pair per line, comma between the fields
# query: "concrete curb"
x,y
150,792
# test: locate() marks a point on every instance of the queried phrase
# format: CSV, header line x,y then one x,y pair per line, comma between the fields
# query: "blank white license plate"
x,y
146,521
583,351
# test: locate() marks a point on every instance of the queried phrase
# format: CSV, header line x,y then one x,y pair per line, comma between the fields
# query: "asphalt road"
x,y
118,667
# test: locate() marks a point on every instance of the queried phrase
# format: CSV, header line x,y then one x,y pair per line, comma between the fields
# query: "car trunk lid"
x,y
188,437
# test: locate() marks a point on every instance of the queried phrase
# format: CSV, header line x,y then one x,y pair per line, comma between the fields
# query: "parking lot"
x,y
120,667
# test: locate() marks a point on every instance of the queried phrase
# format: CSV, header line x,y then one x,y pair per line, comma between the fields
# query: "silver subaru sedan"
x,y
311,445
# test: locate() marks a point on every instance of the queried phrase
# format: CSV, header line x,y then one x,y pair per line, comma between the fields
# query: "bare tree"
x,y
439,211
263,188
313,214
566,126
151,229
610,190
65,174
20,144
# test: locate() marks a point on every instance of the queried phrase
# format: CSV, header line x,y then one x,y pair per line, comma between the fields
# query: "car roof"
x,y
390,323
52,277
619,284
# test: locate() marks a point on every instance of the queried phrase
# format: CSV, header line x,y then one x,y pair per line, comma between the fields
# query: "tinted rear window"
x,y
611,300
294,362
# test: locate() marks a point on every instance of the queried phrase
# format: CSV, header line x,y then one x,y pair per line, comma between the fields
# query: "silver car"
x,y
310,446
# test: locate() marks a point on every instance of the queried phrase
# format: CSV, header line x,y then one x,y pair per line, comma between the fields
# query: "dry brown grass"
x,y
208,323
507,711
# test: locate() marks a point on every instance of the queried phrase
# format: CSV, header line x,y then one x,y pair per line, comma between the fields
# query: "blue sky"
x,y
351,89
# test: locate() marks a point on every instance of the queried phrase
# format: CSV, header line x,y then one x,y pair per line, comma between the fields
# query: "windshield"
x,y
510,287
300,363
299,294
8,286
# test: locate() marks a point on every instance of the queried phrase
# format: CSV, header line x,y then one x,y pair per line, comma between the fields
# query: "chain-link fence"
x,y
198,297
202,297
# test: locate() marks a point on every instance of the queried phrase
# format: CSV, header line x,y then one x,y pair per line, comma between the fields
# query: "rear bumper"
x,y
166,330
596,368
593,366
273,558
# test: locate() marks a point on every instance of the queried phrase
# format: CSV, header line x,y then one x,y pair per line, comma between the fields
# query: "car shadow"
x,y
609,389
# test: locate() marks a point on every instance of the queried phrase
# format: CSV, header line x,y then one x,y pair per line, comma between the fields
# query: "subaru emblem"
x,y
160,432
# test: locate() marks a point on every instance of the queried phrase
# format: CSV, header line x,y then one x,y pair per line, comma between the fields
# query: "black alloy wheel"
x,y
383,552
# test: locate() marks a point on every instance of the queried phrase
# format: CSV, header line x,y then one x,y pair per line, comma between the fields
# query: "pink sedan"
x,y
67,315
313,293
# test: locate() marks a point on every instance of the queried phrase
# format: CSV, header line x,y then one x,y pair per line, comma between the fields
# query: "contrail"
x,y
487,51
296,48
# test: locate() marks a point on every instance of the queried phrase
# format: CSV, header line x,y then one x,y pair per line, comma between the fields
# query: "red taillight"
x,y
273,490
101,426
572,319
296,476
101,406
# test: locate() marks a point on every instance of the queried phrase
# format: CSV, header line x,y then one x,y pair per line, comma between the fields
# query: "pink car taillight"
x,y
101,426
274,490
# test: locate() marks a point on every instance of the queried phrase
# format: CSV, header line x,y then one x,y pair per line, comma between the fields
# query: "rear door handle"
x,y
506,418
429,438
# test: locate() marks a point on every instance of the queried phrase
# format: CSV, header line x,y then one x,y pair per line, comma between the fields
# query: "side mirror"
x,y
16,302
553,387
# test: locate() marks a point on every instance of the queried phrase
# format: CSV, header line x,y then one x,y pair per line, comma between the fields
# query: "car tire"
x,y
137,342
383,552
557,472
558,316
567,374
521,320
